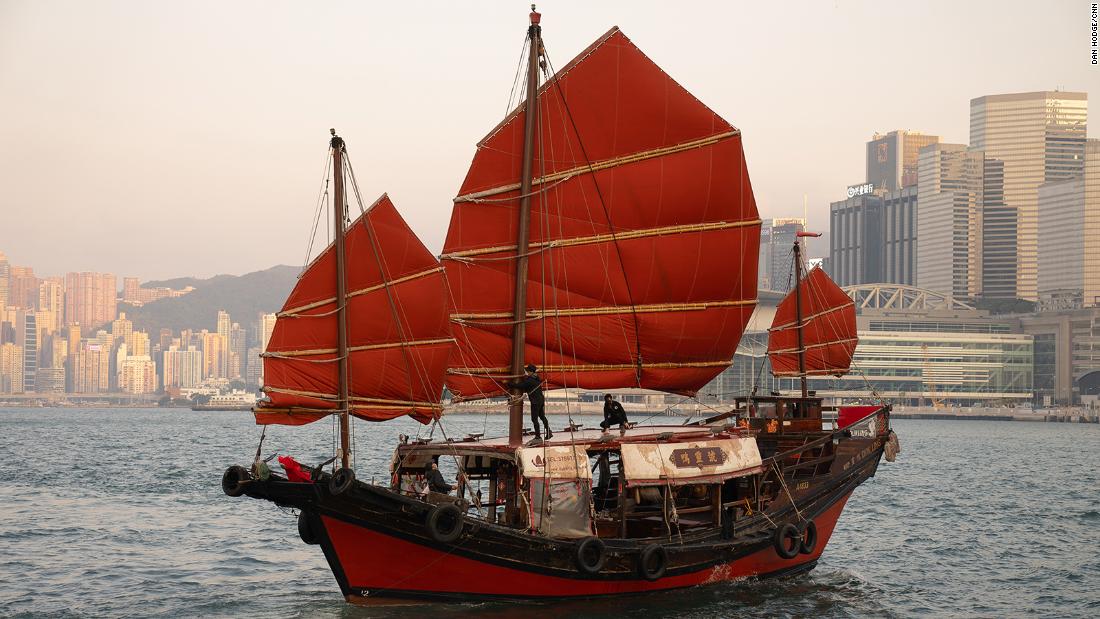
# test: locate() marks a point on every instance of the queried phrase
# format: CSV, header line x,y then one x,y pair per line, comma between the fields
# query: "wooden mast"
x,y
337,145
798,314
519,314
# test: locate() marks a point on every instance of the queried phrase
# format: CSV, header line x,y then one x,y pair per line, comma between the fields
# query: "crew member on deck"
x,y
531,384
613,414
435,479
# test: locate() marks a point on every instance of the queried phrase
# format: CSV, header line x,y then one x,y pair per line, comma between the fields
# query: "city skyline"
x,y
217,121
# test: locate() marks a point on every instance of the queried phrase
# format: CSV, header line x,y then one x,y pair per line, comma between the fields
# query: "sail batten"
x,y
828,329
643,243
399,337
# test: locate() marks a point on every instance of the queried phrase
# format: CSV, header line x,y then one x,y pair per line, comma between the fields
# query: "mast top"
x,y
535,16
336,141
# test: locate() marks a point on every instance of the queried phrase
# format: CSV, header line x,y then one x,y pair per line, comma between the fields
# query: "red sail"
x,y
399,339
829,329
644,235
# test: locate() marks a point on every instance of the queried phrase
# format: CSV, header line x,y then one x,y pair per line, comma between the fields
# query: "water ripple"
x,y
120,513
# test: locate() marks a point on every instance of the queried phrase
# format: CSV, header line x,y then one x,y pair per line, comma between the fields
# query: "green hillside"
x,y
244,297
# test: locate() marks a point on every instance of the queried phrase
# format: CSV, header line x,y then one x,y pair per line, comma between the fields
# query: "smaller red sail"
x,y
828,329
399,336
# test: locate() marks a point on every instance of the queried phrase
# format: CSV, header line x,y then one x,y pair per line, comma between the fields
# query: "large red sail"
x,y
399,340
644,235
829,329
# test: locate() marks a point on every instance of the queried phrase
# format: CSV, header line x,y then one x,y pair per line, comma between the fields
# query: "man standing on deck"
x,y
613,413
531,384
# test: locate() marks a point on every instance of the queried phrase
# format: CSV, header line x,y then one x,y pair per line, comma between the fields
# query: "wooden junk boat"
x,y
609,235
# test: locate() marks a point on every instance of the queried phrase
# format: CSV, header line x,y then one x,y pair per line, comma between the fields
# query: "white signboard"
x,y
656,462
860,190
560,462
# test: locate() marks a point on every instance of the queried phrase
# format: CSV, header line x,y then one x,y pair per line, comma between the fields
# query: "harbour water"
x,y
120,513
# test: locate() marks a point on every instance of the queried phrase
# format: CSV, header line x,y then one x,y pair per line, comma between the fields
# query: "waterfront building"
x,y
915,346
11,368
59,352
139,343
1067,352
137,375
182,368
90,299
26,337
776,239
1069,237
892,158
1040,137
92,367
50,381
72,333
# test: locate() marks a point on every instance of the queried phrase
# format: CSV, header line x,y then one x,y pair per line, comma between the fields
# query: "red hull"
x,y
380,565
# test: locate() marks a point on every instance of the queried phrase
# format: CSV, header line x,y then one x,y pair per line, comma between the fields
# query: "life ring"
x,y
305,529
445,523
591,555
652,562
788,541
341,480
233,480
809,538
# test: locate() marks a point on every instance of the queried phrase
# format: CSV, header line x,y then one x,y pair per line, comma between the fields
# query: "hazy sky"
x,y
162,139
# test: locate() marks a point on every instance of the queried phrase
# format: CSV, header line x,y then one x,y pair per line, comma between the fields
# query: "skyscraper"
x,y
1069,237
224,324
26,332
776,257
5,273
1040,137
51,301
22,288
11,368
949,220
892,159
90,299
238,351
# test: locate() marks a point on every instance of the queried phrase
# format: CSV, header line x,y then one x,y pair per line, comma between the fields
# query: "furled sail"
x,y
829,329
399,339
644,235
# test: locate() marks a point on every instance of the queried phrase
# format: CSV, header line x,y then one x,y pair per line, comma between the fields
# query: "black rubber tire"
x,y
782,535
341,481
233,480
445,523
305,529
591,555
652,562
809,538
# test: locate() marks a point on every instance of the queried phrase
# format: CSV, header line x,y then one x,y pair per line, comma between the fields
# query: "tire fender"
x,y
445,523
652,562
788,541
591,555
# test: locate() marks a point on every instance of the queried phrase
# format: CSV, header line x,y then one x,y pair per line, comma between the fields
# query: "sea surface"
x,y
120,513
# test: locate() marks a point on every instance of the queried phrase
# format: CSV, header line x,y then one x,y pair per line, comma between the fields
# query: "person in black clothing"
x,y
531,384
435,479
613,413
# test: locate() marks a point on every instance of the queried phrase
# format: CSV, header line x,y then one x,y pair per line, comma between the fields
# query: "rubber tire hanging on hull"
x,y
591,555
658,556
341,481
233,480
782,548
809,538
437,527
305,529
